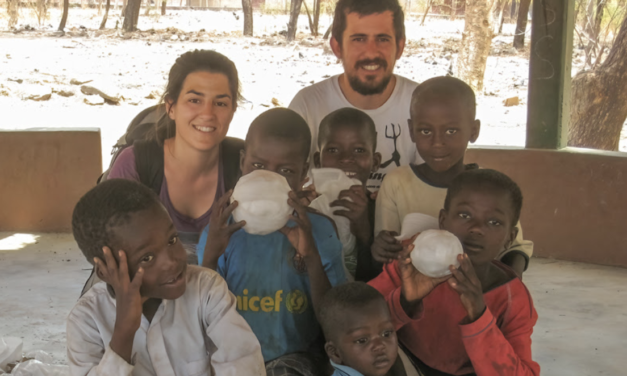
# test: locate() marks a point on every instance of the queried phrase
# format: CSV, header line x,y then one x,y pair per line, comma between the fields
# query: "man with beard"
x,y
368,36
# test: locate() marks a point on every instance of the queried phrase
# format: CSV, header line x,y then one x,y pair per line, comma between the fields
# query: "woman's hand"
x,y
466,283
220,230
385,247
356,210
300,236
128,300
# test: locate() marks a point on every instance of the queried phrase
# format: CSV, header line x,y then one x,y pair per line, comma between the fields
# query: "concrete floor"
x,y
582,308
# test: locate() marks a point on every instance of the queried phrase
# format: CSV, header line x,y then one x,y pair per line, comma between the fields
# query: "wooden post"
x,y
548,104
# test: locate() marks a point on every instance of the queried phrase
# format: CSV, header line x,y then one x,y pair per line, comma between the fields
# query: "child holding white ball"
x,y
280,276
443,122
479,319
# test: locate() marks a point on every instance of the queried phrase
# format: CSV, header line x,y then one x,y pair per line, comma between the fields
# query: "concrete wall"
x,y
575,200
43,173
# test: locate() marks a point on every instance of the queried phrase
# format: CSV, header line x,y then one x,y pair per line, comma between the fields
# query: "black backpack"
x,y
149,153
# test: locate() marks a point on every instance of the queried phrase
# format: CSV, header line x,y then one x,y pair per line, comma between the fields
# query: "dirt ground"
x,y
36,61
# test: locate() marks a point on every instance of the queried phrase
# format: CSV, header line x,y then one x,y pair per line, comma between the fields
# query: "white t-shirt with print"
x,y
394,143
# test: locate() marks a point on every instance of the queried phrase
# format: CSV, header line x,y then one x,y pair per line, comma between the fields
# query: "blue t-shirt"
x,y
273,293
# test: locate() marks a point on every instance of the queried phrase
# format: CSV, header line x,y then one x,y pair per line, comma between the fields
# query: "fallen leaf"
x,y
90,90
513,101
39,98
78,83
276,103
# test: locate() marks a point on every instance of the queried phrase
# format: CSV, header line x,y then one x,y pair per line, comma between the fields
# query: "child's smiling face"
x,y
151,242
441,129
367,340
276,154
482,220
351,148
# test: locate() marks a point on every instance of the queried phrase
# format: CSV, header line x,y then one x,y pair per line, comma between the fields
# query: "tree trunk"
x,y
293,24
598,106
476,41
512,9
66,6
42,10
424,16
502,17
124,4
316,16
106,15
521,24
311,28
13,11
247,7
163,5
131,15
594,17
453,10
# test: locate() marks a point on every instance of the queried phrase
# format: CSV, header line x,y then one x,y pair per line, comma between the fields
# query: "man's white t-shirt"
x,y
394,143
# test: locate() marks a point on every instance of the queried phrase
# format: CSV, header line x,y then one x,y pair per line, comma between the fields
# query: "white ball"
x,y
434,251
262,202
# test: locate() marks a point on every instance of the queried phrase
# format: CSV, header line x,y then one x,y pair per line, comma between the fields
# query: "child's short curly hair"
x,y
353,296
482,179
105,207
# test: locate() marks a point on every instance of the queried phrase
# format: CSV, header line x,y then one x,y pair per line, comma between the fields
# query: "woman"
x,y
200,163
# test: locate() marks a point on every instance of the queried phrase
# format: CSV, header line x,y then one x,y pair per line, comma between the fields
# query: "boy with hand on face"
x,y
442,124
347,140
278,278
479,319
360,333
153,314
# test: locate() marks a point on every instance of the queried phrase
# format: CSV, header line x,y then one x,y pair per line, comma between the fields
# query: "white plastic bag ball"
x,y
434,251
262,202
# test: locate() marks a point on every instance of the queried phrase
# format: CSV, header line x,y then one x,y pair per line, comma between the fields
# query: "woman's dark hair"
x,y
366,8
190,62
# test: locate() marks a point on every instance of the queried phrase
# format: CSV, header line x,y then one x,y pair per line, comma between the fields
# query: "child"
x,y
360,334
278,278
153,314
442,124
479,319
347,140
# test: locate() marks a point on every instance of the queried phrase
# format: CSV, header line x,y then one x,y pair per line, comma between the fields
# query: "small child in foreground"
x,y
347,140
153,314
278,278
480,318
442,124
360,334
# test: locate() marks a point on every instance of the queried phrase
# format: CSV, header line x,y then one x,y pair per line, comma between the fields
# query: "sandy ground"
x,y
581,307
135,67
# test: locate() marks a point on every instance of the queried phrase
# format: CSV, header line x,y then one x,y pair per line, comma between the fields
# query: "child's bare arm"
x,y
220,231
301,237
128,301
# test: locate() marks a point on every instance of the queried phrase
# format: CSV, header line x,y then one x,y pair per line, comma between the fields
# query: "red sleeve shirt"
x,y
497,343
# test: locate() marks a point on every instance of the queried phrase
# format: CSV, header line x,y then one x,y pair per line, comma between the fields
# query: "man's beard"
x,y
368,87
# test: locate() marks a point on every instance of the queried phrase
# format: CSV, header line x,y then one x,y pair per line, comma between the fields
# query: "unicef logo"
x,y
296,301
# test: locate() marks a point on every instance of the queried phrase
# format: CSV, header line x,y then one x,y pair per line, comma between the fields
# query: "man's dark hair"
x,y
347,116
366,8
105,207
353,296
444,87
486,179
281,123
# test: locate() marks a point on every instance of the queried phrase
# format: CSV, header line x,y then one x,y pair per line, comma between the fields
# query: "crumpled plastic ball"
x,y
434,251
262,202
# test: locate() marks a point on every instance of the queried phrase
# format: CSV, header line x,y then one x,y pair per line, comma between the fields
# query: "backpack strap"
x,y
149,164
230,149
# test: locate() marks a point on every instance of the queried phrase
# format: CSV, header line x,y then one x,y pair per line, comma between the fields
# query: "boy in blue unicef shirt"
x,y
279,278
